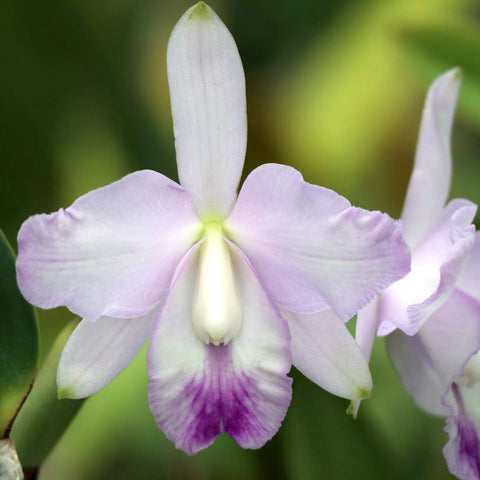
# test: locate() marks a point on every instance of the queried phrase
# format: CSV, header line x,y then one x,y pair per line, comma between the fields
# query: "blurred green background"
x,y
335,88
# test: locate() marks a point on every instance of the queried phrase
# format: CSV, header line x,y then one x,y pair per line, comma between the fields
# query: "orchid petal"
x,y
469,280
98,351
429,361
112,253
324,351
207,91
310,248
430,180
365,331
437,262
413,365
452,335
462,451
366,328
197,390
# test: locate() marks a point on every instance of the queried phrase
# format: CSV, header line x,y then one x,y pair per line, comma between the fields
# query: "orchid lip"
x,y
217,306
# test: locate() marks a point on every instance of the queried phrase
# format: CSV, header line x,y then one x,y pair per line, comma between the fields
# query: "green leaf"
x,y
44,418
18,341
437,49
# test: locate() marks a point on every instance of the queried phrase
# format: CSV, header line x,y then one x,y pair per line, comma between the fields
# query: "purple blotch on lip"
x,y
224,400
469,445
467,442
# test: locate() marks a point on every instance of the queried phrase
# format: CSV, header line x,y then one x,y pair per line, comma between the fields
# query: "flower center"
x,y
217,306
471,372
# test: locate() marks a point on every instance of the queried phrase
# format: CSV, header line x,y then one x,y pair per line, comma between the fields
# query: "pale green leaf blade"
x,y
44,418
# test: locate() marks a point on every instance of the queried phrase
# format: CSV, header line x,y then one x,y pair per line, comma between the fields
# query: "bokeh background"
x,y
335,88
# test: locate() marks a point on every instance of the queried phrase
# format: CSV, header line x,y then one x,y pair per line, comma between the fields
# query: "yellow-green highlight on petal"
x,y
354,405
200,11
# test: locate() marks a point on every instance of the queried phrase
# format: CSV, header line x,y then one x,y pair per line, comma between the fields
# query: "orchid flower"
x,y
228,289
434,312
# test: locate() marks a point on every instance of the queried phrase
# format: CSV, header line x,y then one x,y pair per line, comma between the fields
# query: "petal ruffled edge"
x,y
310,248
437,263
112,252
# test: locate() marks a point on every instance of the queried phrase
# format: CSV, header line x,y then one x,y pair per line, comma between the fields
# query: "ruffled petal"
x,y
113,252
197,390
324,351
436,265
310,248
207,92
469,280
430,180
429,361
97,352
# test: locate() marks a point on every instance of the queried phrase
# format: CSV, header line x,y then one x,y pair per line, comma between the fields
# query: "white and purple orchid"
x,y
229,290
432,316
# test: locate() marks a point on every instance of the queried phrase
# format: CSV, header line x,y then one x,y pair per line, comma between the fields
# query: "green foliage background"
x,y
335,88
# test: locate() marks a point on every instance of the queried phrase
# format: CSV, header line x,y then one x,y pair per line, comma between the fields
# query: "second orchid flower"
x,y
432,316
